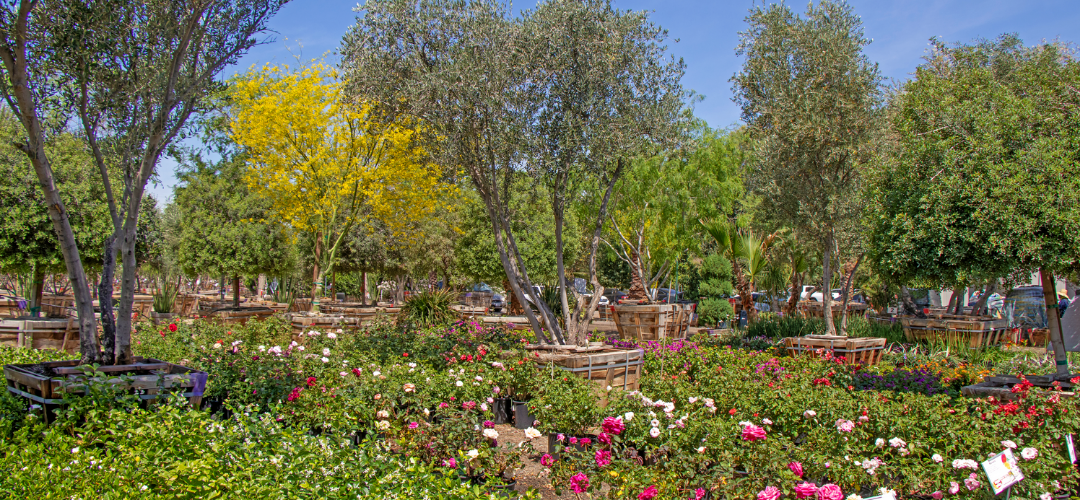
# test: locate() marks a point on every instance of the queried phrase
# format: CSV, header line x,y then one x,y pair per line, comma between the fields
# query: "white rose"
x,y
879,442
458,383
331,335
532,433
326,351
382,414
808,414
937,458
473,453
701,449
491,434
654,432
324,360
628,416
1029,453
382,425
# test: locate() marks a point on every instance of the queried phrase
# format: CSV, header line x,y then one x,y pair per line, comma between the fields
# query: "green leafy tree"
x,y
979,179
28,242
225,229
710,284
810,97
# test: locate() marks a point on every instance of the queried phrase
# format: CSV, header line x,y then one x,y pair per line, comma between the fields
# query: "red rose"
x,y
172,327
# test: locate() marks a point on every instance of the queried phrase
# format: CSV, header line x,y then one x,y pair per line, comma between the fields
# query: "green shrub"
x,y
430,308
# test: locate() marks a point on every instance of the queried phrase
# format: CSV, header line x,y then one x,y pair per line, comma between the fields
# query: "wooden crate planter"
x,y
516,323
606,313
651,322
57,306
475,299
304,322
9,308
61,334
242,316
811,309
365,315
604,365
863,350
46,383
975,332
469,313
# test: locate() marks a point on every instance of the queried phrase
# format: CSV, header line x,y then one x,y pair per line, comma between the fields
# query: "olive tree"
x,y
563,94
811,99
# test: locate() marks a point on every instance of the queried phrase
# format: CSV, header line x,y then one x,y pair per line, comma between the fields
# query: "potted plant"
x,y
520,380
567,407
164,300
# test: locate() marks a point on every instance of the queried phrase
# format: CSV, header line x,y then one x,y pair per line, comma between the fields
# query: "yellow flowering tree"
x,y
324,162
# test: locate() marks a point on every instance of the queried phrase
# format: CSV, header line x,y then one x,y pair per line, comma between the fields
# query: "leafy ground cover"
x,y
386,413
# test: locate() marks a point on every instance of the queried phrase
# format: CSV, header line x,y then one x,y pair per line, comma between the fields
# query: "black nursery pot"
x,y
522,418
502,409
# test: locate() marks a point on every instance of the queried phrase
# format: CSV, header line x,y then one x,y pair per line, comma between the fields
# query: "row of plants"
x,y
709,418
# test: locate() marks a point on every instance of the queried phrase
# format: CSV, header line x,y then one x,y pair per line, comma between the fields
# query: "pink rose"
x,y
612,425
547,460
603,458
699,493
972,482
753,433
579,483
937,495
796,467
830,492
769,493
954,488
805,490
604,438
648,494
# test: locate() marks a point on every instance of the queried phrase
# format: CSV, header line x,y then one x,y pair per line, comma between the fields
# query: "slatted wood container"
x,y
304,322
46,383
475,299
811,309
605,313
186,305
242,316
975,332
58,306
300,305
651,322
516,323
604,365
469,313
61,334
9,308
863,350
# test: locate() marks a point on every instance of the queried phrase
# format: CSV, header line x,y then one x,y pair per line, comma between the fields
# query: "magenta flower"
x,y
579,483
413,425
769,493
937,495
603,458
830,492
469,405
796,467
585,441
547,460
451,463
489,424
444,405
648,494
753,433
604,438
954,487
573,440
612,425
972,482
805,490
699,493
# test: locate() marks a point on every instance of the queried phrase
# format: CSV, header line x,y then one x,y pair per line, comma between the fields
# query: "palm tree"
x,y
748,253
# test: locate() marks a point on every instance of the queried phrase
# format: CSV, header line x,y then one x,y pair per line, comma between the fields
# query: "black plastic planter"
x,y
522,418
502,410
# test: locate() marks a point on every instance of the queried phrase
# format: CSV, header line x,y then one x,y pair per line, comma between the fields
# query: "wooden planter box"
x,y
651,322
606,313
811,309
864,350
61,334
520,323
607,366
241,317
475,299
1039,337
364,315
9,308
302,323
146,378
975,332
468,313
159,318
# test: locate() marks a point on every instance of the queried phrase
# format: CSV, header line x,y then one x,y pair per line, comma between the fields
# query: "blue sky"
x,y
707,33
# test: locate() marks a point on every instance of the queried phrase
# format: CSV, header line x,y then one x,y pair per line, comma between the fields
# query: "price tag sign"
x,y
885,495
1072,448
1003,471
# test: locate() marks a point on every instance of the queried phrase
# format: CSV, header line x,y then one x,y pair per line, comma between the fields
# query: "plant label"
x,y
1003,471
1072,448
888,495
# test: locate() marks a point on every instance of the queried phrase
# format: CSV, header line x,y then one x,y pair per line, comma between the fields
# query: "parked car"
x,y
1024,307
667,295
604,302
820,297
497,303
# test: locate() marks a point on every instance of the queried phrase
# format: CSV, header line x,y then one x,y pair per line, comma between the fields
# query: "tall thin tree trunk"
x,y
1054,322
236,291
105,301
316,278
826,284
849,289
363,288
796,294
37,288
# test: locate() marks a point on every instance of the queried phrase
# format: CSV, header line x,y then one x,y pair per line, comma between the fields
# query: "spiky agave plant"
x,y
430,308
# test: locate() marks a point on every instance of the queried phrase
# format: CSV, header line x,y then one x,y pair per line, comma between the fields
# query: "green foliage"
x,y
710,284
430,308
567,403
27,238
795,326
979,177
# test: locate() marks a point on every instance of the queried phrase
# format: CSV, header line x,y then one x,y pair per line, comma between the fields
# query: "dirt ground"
x,y
532,474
